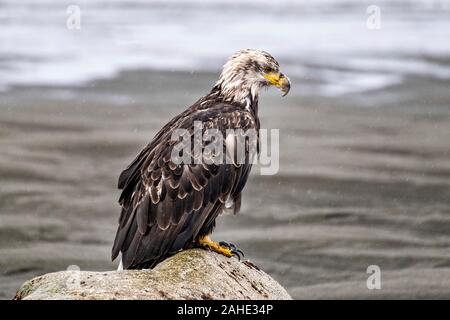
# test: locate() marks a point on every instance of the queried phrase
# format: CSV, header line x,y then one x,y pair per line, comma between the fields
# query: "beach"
x,y
364,180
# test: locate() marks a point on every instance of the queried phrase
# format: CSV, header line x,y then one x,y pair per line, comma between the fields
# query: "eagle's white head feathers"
x,y
246,72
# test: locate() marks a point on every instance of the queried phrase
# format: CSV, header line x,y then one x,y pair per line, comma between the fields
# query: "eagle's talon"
x,y
235,253
234,250
227,249
227,244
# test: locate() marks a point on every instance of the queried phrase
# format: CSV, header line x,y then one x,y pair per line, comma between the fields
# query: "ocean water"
x,y
326,42
357,185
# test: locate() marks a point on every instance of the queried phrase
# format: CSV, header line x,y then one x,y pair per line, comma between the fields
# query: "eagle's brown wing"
x,y
166,206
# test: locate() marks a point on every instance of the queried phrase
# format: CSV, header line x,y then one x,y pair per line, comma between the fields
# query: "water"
x,y
357,186
326,42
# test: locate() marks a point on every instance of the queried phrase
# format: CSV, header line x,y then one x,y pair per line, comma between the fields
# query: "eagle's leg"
x,y
226,249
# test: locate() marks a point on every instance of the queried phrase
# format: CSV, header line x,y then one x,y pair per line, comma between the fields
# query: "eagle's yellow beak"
x,y
279,80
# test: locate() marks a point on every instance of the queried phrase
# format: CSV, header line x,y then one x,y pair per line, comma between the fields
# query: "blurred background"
x,y
364,134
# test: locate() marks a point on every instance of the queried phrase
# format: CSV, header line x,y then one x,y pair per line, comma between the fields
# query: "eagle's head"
x,y
247,71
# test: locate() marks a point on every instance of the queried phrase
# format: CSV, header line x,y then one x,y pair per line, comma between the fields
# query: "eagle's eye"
x,y
267,69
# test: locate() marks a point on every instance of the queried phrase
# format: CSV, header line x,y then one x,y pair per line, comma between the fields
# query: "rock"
x,y
190,274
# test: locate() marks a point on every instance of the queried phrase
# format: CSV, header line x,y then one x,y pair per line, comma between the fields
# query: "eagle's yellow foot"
x,y
224,248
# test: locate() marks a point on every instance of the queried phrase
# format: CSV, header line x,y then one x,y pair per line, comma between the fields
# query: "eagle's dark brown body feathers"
x,y
154,224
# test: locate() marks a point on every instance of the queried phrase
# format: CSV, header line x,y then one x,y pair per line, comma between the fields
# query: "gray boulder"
x,y
190,274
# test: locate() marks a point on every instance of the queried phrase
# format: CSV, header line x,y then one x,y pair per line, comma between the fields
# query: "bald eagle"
x,y
166,206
